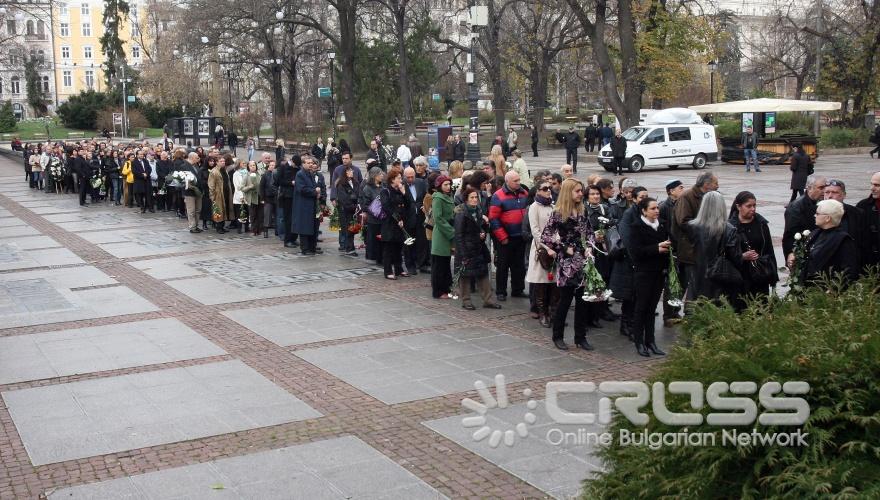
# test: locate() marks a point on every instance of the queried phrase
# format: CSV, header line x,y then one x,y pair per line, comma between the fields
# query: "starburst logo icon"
x,y
489,402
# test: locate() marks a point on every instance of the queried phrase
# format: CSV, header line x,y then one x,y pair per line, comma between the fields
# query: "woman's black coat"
x,y
471,253
643,247
397,207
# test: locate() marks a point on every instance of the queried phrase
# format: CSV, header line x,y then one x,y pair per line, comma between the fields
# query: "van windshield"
x,y
634,133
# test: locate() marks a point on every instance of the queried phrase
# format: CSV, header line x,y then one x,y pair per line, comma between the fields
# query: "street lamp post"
x,y
712,67
124,103
478,16
332,57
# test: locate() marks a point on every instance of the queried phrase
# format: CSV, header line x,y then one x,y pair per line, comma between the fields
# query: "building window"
x,y
45,81
10,27
41,56
29,28
135,52
41,30
84,9
65,52
90,79
64,29
86,29
66,78
1,85
15,86
87,52
135,29
62,9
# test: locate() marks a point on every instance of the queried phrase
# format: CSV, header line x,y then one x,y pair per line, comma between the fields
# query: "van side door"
x,y
654,147
681,147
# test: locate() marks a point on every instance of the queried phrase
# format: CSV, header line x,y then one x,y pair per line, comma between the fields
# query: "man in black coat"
x,y
459,149
875,138
590,135
605,133
572,141
870,206
618,152
285,176
853,221
801,214
674,189
416,255
535,140
142,186
232,140
79,166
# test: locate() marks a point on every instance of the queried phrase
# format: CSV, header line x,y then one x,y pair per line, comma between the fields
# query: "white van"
x,y
669,145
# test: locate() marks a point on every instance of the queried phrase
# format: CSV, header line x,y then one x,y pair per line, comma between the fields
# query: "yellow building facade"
x,y
77,30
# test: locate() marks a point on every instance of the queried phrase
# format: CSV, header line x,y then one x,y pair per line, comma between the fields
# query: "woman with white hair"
x,y
714,239
831,251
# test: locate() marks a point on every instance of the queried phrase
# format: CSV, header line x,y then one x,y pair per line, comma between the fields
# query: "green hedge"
x,y
839,137
829,340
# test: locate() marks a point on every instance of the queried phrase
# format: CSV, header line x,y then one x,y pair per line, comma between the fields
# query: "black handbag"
x,y
762,271
722,272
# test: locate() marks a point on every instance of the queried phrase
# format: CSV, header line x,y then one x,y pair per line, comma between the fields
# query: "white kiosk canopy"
x,y
764,104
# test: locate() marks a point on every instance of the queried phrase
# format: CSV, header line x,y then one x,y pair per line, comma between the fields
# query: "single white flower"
x,y
604,220
409,241
797,236
806,232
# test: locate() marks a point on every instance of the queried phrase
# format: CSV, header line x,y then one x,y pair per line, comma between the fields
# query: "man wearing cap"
x,y
674,188
572,141
506,211
870,206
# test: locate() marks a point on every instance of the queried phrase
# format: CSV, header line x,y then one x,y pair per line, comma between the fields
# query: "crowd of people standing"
x,y
549,237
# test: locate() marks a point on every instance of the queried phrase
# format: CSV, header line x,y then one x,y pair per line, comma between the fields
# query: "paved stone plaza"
x,y
138,360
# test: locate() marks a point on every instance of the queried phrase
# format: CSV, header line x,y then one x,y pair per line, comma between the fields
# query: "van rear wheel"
x,y
699,162
636,164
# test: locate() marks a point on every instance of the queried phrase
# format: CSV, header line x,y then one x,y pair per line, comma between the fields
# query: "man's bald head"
x,y
409,175
193,158
511,178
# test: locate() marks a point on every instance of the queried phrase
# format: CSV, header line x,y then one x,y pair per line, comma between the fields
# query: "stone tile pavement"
x,y
138,360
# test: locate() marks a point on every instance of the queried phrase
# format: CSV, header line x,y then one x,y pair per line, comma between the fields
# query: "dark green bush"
x,y
728,128
828,339
7,117
839,137
81,111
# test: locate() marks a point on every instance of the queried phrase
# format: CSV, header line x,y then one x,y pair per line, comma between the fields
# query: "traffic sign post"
x,y
436,97
324,92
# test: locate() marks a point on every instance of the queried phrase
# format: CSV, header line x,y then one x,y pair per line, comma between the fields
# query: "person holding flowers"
x,y
397,207
540,275
756,244
829,250
471,254
649,248
566,233
346,205
193,191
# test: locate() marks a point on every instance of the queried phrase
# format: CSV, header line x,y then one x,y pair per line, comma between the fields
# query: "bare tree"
x,y
783,50
544,29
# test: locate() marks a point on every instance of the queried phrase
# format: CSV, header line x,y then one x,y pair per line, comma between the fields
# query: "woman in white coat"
x,y
542,282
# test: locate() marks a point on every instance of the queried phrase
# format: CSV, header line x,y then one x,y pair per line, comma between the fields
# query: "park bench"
x,y
79,135
40,135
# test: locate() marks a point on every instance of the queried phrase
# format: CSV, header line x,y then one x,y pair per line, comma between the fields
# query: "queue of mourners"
x,y
549,237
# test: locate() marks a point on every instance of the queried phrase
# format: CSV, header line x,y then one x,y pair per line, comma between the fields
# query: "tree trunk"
x,y
277,100
347,37
632,85
403,68
538,85
291,87
626,110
